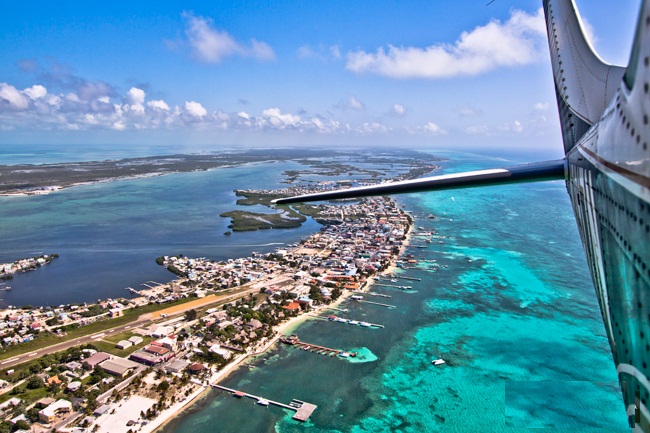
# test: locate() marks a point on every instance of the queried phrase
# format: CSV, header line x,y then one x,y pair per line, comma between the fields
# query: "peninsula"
x,y
27,179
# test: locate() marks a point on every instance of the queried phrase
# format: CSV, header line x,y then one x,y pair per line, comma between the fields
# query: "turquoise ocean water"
x,y
505,298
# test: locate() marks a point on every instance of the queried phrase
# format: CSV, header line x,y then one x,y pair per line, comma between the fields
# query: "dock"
x,y
293,340
393,286
399,277
321,350
409,278
378,294
363,324
377,303
303,409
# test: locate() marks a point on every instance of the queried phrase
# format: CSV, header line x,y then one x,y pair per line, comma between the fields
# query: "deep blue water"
x,y
108,235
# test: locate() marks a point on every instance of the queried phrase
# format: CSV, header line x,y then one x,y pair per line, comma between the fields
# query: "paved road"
x,y
11,362
19,359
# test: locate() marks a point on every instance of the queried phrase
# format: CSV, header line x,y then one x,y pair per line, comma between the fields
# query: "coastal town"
x,y
194,330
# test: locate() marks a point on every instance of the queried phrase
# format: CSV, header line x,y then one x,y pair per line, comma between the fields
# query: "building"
x,y
162,331
118,366
152,355
135,340
177,366
97,358
50,413
123,344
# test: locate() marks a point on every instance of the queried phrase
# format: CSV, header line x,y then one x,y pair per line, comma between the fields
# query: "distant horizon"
x,y
515,155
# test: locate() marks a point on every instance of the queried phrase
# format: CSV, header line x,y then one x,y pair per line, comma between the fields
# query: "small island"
x,y
24,265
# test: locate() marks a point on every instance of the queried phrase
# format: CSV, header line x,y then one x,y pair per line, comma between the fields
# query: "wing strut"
x,y
534,172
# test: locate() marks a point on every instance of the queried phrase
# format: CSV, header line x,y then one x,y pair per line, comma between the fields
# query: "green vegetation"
x,y
249,221
45,340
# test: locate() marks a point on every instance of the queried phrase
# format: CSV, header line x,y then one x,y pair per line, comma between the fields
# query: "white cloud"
x,y
12,98
277,119
515,126
212,45
195,109
434,128
158,104
541,106
519,41
373,128
36,91
335,51
351,103
261,50
398,110
135,96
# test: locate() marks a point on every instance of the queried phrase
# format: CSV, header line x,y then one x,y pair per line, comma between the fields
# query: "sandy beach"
x,y
283,329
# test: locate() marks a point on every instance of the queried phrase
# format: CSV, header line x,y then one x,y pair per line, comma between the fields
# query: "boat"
x,y
393,280
344,355
353,322
431,216
8,289
438,361
263,402
341,319
365,324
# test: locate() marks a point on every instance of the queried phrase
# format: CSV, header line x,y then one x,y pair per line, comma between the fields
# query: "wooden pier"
x,y
409,278
335,319
377,303
303,409
378,294
321,350
394,286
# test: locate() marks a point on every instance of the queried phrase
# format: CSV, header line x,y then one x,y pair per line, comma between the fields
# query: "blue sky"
x,y
248,73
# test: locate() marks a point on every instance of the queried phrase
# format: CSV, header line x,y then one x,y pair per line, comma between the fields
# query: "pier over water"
x,y
303,409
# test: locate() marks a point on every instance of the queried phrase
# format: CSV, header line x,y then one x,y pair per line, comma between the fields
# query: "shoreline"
x,y
156,425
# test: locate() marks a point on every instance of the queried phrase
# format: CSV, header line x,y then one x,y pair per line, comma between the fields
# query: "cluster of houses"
x,y
22,325
209,274
344,254
24,265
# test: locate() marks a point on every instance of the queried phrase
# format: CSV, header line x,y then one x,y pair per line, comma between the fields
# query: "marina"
x,y
303,409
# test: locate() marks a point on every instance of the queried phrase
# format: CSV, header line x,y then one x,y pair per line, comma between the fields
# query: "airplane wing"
x,y
534,172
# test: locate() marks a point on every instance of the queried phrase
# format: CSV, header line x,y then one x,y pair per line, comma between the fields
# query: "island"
x,y
29,179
